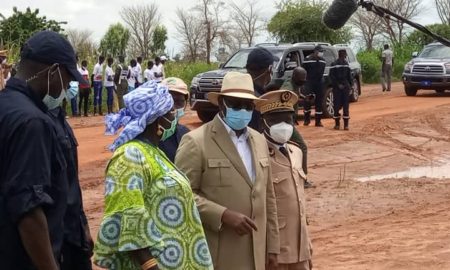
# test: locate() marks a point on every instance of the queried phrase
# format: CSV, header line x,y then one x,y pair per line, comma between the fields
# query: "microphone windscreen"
x,y
339,13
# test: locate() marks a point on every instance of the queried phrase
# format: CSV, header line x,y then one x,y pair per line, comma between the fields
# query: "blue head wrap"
x,y
142,107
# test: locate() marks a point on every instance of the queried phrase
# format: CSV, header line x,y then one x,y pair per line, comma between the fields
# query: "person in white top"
x,y
133,76
138,71
158,70
97,81
148,74
109,85
85,89
386,68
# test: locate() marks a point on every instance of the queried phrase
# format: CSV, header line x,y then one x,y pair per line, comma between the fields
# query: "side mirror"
x,y
291,65
415,54
221,65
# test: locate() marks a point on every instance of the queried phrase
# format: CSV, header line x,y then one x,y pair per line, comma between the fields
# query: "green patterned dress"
x,y
149,204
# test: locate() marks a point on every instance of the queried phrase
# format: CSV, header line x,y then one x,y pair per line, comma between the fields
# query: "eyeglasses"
x,y
239,104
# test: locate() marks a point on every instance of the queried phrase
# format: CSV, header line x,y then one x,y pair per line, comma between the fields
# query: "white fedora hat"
x,y
235,84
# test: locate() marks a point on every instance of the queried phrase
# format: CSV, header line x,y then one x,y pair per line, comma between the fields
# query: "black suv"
x,y
289,57
429,70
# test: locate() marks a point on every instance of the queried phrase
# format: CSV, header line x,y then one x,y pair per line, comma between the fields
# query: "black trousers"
x,y
75,258
341,99
84,100
316,88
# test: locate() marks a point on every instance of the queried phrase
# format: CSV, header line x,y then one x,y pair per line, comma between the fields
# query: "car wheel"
x,y
206,116
328,106
410,91
354,96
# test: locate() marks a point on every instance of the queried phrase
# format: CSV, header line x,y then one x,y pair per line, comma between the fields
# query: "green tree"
x,y
158,40
17,28
115,40
300,21
420,39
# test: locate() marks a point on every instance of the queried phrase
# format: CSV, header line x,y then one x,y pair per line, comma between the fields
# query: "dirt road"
x,y
354,223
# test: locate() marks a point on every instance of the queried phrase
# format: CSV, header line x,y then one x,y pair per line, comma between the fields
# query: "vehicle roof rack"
x,y
312,43
341,45
266,44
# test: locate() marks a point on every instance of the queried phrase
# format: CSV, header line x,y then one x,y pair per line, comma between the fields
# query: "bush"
x,y
187,71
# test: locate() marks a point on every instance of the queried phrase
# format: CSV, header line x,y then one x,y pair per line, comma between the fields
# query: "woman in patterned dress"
x,y
150,212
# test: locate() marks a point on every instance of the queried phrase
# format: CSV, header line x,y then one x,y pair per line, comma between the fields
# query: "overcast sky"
x,y
97,15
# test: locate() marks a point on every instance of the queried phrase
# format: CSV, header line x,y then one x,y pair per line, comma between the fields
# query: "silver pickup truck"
x,y
429,70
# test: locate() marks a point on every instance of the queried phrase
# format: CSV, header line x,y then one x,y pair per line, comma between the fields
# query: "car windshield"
x,y
435,51
239,60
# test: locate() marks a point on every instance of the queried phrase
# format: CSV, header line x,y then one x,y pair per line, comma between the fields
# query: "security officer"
x,y
277,109
341,78
315,68
296,84
33,176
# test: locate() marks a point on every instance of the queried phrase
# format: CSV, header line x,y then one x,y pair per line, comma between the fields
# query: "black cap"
x,y
260,58
49,47
318,48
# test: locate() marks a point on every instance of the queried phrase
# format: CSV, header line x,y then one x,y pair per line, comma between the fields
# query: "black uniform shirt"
x,y
170,146
315,67
75,219
32,169
340,73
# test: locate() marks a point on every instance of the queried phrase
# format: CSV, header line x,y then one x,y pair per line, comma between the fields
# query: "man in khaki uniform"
x,y
228,165
277,111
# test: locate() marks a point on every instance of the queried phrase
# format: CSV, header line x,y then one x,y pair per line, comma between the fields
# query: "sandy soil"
x,y
387,224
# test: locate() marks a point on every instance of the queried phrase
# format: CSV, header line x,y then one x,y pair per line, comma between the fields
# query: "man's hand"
x,y
272,262
240,223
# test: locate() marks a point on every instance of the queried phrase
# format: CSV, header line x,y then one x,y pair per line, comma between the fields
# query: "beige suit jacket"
x,y
288,177
220,181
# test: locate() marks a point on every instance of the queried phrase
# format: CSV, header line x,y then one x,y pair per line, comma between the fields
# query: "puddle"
x,y
439,170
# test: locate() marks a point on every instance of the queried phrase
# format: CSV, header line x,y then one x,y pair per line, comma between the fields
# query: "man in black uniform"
x,y
314,65
78,244
341,78
33,185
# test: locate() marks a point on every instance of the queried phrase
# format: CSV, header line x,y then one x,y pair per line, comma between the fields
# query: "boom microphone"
x,y
339,13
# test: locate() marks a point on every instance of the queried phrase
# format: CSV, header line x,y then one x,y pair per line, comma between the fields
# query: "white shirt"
x,y
98,72
109,73
388,55
138,70
158,69
132,79
148,74
243,148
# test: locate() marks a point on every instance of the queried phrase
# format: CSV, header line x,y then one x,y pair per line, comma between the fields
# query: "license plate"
x,y
425,83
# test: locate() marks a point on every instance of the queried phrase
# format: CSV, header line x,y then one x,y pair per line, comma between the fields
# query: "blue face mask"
x,y
179,113
238,120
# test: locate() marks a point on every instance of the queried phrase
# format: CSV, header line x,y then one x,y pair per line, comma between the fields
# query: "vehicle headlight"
x,y
447,67
195,80
408,67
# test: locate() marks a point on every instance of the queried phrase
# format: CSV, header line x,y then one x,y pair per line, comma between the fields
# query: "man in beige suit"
x,y
277,111
228,165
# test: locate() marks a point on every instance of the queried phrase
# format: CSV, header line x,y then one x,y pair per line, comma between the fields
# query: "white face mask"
x,y
50,101
320,54
281,132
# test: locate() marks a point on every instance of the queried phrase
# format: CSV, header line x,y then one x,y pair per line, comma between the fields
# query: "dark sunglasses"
x,y
239,104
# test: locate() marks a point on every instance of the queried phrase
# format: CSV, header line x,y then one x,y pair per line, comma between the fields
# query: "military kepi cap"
x,y
277,101
260,58
50,48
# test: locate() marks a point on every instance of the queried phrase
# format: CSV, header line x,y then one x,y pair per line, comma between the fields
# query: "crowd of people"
x,y
227,195
117,79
